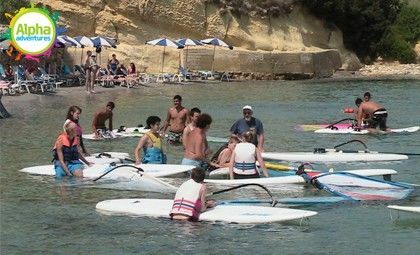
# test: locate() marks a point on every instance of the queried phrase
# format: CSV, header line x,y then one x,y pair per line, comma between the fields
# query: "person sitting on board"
x,y
249,123
151,143
243,160
98,123
195,144
73,115
377,115
223,159
190,198
176,119
66,153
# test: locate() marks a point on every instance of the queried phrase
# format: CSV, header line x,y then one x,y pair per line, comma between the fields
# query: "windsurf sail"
x,y
356,187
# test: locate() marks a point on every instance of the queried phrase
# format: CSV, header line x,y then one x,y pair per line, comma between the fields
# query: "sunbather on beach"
x,y
113,64
176,119
98,123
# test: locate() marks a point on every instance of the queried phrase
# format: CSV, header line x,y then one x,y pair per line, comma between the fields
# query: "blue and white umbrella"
x,y
102,41
215,42
164,42
188,42
84,41
67,41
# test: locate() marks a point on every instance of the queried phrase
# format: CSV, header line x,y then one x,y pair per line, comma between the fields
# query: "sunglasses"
x,y
247,113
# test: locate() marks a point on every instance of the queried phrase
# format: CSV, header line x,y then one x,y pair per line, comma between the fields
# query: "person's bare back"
x,y
195,145
369,107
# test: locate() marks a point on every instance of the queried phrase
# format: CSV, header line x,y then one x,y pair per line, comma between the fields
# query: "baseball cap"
x,y
247,107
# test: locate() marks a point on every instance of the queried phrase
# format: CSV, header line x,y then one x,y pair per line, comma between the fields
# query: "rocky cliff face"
x,y
133,22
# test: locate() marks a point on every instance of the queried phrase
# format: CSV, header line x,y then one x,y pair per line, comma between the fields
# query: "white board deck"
x,y
332,156
92,138
295,179
221,213
413,209
140,131
364,131
155,170
132,131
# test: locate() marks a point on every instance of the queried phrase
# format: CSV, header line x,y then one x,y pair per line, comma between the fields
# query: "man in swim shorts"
x,y
176,119
377,115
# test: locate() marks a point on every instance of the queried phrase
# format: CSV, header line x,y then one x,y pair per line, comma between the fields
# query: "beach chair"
x,y
182,75
51,78
8,87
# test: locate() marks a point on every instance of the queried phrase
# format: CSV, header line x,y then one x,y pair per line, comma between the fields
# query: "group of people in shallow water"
x,y
189,129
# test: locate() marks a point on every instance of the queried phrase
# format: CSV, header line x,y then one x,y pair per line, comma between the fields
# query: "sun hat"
x,y
247,107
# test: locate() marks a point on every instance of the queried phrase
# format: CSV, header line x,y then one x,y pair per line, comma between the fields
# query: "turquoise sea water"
x,y
39,215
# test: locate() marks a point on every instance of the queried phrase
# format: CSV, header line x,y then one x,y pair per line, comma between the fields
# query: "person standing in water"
x,y
176,119
151,143
195,144
249,123
194,114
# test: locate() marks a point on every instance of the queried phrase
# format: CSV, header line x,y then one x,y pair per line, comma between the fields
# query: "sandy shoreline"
x,y
80,90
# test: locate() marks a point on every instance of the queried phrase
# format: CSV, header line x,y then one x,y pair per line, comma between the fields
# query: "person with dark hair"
x,y
243,160
132,69
367,96
113,64
98,123
176,119
195,144
194,114
73,115
376,112
190,199
66,153
249,123
151,143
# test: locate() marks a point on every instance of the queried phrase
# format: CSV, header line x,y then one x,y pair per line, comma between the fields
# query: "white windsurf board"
x,y
221,213
295,179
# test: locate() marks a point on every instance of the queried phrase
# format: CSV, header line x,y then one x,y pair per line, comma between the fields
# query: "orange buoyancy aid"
x,y
69,148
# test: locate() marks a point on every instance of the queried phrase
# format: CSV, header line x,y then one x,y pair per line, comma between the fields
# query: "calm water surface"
x,y
40,215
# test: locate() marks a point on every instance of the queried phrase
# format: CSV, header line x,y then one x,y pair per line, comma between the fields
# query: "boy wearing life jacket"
x,y
67,153
190,199
151,143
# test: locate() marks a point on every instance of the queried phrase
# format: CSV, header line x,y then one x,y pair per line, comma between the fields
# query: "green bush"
x,y
400,38
10,6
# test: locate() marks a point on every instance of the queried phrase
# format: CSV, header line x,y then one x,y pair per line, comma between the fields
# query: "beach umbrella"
x,y
164,42
102,41
85,42
215,42
67,41
186,42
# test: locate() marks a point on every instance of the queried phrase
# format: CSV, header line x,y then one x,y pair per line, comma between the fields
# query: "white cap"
x,y
247,107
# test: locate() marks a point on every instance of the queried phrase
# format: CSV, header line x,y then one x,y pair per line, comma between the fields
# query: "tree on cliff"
x,y
10,6
363,22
